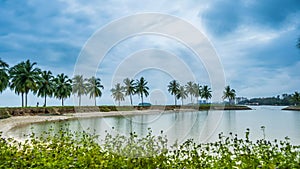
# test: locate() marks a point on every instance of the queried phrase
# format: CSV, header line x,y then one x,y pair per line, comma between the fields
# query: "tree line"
x,y
283,100
26,77
180,92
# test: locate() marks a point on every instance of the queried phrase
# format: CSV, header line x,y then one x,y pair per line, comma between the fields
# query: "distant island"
x,y
279,100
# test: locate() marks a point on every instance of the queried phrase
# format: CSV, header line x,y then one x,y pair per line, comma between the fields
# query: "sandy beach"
x,y
16,121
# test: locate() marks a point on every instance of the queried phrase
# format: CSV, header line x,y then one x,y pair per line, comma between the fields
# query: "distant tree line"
x,y
283,100
180,92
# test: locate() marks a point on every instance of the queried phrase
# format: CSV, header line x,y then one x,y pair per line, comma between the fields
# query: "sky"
x,y
255,43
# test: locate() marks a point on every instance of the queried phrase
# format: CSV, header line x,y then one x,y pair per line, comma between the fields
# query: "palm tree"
x,y
197,91
173,88
182,94
16,83
46,86
296,98
4,78
117,93
79,86
24,78
129,88
63,87
190,89
229,94
141,88
94,87
206,93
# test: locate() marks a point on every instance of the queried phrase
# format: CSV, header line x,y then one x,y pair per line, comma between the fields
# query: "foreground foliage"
x,y
67,149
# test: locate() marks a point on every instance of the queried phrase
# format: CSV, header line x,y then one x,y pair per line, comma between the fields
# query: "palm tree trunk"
x,y
79,100
45,103
22,98
130,99
95,101
119,103
191,98
181,101
25,99
142,100
175,101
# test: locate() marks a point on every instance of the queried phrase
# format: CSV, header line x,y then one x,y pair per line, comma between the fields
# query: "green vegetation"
x,y
181,94
283,100
229,94
141,88
296,98
4,113
94,87
63,87
117,93
4,78
206,93
191,88
129,88
66,149
46,86
173,88
24,77
79,86
60,110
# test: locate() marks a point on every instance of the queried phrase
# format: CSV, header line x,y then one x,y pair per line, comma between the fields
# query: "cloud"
x,y
265,82
255,40
225,17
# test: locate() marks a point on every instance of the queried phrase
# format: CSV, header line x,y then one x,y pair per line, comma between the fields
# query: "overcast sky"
x,y
254,40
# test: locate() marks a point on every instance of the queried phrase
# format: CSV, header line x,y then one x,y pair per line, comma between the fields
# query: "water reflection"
x,y
202,126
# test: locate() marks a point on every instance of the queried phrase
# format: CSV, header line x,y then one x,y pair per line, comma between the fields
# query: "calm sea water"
x,y
202,126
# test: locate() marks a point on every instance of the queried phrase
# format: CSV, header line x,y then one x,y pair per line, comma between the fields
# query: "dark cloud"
x,y
281,52
225,16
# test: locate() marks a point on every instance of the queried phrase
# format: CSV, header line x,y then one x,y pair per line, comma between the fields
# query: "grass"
x,y
67,149
57,110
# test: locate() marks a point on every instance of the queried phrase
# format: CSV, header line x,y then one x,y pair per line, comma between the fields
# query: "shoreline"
x,y
11,122
292,108
16,121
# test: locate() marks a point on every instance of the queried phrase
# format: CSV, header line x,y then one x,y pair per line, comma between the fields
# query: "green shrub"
x,y
67,149
104,109
4,113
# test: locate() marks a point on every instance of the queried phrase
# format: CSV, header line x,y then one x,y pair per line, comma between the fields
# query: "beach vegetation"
x,y
67,149
129,88
141,88
63,87
94,87
173,88
229,94
117,93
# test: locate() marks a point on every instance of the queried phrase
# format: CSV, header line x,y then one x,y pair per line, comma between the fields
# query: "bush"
x,y
67,149
4,113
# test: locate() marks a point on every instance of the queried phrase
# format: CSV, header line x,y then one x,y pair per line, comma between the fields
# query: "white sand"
x,y
15,121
